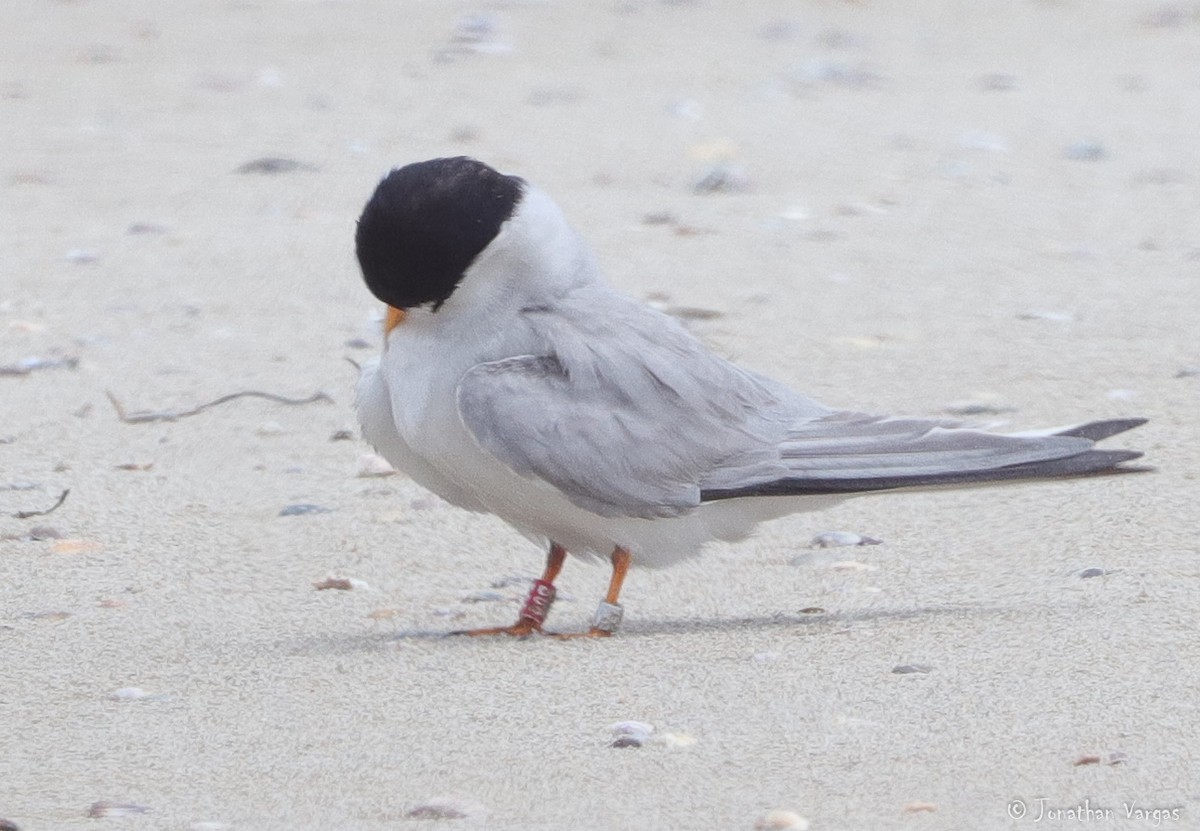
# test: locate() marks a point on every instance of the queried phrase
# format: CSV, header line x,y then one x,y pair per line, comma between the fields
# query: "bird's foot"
x,y
520,629
591,633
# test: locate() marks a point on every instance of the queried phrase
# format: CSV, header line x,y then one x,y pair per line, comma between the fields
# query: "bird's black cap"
x,y
426,223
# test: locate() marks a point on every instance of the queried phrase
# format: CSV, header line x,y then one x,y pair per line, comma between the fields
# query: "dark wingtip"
x,y
1100,430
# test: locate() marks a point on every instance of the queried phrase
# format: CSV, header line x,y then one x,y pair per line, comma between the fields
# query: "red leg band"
x,y
537,604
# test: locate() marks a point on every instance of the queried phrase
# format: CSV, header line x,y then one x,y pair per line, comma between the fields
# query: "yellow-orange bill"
x,y
394,318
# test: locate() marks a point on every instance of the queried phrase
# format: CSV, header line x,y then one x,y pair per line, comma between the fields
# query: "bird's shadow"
x,y
833,622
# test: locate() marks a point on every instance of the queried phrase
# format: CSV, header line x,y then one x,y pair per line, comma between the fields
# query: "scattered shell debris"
x,y
781,821
102,810
835,539
912,669
340,583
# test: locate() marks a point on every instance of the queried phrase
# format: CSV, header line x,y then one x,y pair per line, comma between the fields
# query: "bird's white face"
x,y
534,257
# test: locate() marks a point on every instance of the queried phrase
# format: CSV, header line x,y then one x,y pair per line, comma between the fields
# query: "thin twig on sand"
x,y
150,416
62,497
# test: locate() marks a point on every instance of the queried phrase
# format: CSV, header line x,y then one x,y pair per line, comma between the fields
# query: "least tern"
x,y
514,380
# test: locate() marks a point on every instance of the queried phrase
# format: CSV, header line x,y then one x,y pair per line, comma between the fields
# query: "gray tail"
x,y
1086,463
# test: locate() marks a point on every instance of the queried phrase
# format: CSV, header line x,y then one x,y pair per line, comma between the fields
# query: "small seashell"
x,y
112,603
383,614
445,808
630,733
1094,571
910,669
374,466
274,165
1056,317
74,547
100,810
1085,150
303,509
82,256
340,583
781,821
977,408
341,435
129,694
919,807
145,228
270,428
833,539
722,177
44,532
1087,760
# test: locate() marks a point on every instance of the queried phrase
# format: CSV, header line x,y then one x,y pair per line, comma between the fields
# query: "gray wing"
x,y
626,413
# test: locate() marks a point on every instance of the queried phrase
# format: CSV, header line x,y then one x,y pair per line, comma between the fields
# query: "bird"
x,y
514,380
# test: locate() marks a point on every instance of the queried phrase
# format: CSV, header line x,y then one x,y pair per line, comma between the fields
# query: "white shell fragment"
x,y
781,821
372,466
630,733
129,694
834,539
100,810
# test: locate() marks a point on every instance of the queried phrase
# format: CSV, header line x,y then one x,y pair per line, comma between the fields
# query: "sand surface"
x,y
925,204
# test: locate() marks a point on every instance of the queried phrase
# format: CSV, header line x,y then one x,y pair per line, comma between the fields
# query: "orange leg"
x,y
608,616
536,605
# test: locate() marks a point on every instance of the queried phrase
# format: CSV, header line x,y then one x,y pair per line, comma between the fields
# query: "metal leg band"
x,y
608,617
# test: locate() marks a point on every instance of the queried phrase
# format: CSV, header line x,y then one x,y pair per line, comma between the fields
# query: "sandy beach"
x,y
914,208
